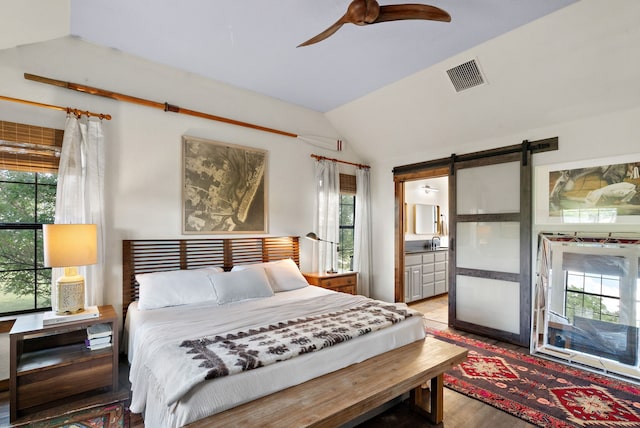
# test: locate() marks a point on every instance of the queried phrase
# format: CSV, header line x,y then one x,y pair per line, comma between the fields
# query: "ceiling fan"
x,y
364,12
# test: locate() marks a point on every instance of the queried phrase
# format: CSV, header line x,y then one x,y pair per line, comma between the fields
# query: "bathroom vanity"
x,y
425,272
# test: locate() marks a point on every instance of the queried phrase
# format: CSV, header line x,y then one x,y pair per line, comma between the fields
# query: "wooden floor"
x,y
459,410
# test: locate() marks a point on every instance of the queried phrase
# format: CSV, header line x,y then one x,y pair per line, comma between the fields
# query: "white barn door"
x,y
490,242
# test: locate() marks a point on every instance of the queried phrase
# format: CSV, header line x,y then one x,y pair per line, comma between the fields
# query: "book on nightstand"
x,y
99,346
50,317
98,330
97,341
98,336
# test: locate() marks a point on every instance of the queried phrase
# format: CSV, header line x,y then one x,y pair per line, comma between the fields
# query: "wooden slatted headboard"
x,y
154,255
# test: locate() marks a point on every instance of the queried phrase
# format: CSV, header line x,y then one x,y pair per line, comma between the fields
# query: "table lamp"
x,y
314,237
69,246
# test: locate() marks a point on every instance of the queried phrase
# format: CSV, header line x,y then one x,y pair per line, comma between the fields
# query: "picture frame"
x,y
224,187
596,191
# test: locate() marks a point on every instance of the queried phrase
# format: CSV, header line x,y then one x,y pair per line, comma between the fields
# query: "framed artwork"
x,y
596,191
224,188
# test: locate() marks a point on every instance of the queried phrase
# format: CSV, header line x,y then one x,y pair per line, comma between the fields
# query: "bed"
x,y
171,390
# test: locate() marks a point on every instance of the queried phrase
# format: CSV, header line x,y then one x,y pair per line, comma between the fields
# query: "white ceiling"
x,y
252,43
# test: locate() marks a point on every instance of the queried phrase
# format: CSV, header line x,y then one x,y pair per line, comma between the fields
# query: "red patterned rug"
x,y
110,415
539,391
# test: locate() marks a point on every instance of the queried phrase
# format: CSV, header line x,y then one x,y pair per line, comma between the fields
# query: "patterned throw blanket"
x,y
246,350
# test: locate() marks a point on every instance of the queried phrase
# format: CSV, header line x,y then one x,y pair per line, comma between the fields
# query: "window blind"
x,y
29,148
348,184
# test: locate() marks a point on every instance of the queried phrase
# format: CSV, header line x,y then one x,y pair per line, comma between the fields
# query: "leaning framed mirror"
x,y
586,303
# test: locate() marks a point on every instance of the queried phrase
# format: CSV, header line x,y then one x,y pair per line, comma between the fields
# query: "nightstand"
x,y
346,282
51,364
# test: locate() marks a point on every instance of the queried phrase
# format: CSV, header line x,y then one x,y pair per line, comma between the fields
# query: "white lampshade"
x,y
68,245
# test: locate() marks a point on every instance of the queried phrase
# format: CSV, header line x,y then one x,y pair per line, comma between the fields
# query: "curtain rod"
x,y
75,111
332,145
359,165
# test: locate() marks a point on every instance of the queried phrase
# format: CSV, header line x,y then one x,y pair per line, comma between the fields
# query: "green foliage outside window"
x,y
347,223
27,200
592,296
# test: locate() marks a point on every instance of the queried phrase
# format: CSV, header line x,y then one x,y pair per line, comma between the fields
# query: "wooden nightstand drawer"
x,y
342,282
349,289
339,281
43,386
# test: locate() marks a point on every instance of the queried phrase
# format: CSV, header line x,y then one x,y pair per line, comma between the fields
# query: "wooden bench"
x,y
341,396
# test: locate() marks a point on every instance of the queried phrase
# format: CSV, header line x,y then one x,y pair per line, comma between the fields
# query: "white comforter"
x,y
150,331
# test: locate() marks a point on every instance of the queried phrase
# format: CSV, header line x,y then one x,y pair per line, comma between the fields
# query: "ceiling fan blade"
x,y
325,34
396,12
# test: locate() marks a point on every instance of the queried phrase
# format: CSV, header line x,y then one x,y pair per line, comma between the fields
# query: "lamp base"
x,y
332,271
70,295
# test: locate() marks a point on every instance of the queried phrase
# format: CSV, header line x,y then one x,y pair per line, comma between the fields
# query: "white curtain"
x,y
362,258
79,195
326,220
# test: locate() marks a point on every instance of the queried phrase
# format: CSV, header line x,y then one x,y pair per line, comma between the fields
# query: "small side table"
x,y
346,282
51,364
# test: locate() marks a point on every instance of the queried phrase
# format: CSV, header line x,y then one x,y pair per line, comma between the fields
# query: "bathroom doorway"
x,y
425,238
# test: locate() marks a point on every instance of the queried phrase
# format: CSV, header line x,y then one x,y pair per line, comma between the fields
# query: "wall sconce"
x,y
428,189
314,237
69,246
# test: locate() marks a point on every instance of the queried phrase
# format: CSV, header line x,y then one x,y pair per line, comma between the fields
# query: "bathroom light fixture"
x,y
428,189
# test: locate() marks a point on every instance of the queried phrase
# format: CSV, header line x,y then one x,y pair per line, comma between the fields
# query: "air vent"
x,y
465,76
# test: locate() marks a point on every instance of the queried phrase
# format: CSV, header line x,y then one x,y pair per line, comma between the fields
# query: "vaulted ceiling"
x,y
252,43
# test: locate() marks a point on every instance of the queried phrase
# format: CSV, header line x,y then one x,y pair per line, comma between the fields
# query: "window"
x,y
29,158
27,200
593,284
592,296
347,222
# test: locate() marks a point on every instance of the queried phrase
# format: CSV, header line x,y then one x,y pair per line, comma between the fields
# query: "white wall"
x,y
46,20
605,136
571,74
143,145
578,62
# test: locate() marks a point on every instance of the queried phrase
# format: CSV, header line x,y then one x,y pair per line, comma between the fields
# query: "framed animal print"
x,y
224,188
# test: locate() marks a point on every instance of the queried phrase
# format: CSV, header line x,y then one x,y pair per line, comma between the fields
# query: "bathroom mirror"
x,y
426,219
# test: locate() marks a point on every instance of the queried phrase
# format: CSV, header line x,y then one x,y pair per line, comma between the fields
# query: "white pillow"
x,y
240,285
284,275
175,287
208,269
211,268
252,266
